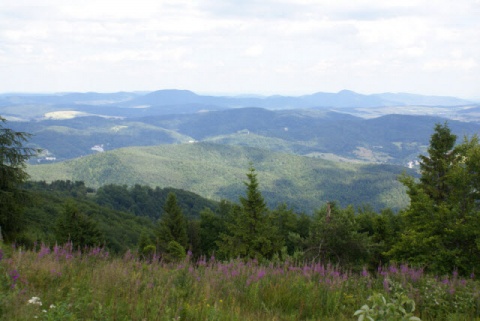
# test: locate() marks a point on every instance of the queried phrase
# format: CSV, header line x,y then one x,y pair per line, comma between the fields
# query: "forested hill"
x,y
394,139
218,172
121,214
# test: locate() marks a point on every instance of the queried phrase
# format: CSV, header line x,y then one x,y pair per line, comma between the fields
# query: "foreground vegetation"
x,y
62,283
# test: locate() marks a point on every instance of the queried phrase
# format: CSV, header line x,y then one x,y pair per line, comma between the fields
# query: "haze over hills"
x,y
161,102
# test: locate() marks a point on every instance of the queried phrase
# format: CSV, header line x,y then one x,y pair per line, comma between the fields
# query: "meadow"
x,y
64,283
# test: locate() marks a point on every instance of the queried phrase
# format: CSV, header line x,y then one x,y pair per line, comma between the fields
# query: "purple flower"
x,y
364,272
261,274
393,269
14,275
386,285
44,250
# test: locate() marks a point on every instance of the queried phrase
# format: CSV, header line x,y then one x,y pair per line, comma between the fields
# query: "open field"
x,y
60,283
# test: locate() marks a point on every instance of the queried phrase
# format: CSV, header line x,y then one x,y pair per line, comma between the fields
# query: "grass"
x,y
92,285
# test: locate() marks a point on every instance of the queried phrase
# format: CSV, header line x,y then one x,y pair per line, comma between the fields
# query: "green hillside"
x,y
119,230
218,172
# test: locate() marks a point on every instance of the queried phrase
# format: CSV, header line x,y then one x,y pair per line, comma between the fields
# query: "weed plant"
x,y
64,283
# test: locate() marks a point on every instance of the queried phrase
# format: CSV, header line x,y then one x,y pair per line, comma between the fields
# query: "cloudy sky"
x,y
289,47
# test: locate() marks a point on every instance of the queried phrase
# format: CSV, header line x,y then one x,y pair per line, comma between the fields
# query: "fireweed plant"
x,y
89,284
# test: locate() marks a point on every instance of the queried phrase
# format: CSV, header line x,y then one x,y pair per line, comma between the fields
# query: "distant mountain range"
x,y
161,102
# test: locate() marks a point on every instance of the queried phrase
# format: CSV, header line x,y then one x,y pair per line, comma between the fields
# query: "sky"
x,y
266,47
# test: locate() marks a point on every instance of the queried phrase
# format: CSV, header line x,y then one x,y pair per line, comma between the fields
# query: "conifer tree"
x,y
76,227
251,234
436,166
442,223
172,225
334,237
13,156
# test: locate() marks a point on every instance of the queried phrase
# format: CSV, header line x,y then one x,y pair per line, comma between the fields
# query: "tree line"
x,y
439,230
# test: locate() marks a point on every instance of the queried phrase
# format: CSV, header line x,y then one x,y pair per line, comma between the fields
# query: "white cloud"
x,y
254,51
284,45
451,64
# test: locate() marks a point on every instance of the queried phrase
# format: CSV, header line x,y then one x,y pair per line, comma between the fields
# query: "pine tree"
x,y
172,225
13,156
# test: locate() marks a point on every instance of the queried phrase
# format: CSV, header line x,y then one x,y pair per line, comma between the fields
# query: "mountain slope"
x,y
218,172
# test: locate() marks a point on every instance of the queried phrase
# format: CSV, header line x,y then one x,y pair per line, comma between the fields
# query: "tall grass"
x,y
90,285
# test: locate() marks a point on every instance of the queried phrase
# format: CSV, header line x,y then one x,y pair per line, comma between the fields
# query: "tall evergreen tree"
x,y
436,166
172,226
13,156
442,223
252,233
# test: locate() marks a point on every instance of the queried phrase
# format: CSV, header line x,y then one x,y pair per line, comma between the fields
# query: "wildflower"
x,y
393,269
261,274
44,250
364,272
386,285
35,300
52,306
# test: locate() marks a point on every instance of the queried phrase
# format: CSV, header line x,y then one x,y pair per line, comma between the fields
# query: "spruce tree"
x,y
442,223
172,225
13,156
251,234
435,167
